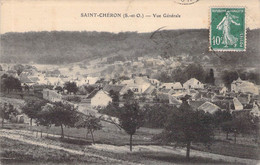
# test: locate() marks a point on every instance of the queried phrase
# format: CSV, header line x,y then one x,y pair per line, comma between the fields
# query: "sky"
x,y
65,15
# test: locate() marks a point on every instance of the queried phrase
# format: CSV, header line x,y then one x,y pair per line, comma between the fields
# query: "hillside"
x,y
67,47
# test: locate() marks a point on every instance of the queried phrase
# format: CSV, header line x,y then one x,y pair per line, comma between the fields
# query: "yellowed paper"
x,y
130,82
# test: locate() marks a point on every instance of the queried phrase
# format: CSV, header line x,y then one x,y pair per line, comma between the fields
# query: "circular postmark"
x,y
186,2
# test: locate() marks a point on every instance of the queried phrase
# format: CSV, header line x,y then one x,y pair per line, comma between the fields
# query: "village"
x,y
100,85
93,88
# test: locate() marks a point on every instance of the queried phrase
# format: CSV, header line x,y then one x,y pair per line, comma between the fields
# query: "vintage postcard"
x,y
129,82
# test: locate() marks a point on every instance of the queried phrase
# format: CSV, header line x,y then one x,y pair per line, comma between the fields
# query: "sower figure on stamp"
x,y
224,25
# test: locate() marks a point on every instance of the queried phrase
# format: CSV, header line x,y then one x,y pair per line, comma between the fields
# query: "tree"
x,y
59,88
6,111
129,95
59,114
156,115
222,116
210,79
227,127
71,87
89,88
32,108
91,123
111,110
131,118
228,77
165,77
194,71
238,125
115,97
185,126
256,127
11,83
184,73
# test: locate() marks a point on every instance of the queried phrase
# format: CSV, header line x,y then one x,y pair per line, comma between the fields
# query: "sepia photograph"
x,y
129,82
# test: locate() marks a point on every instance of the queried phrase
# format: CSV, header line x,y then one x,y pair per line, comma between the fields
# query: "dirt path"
x,y
12,134
19,135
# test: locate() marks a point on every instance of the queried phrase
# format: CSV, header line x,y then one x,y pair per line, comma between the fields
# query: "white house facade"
x,y
101,99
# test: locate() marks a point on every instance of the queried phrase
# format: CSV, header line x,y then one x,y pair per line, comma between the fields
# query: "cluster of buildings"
x,y
243,96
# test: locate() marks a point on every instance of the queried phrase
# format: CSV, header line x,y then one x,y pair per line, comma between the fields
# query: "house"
x,y
194,94
175,101
155,82
52,95
244,87
99,98
237,104
42,80
175,86
196,104
193,84
223,90
150,91
55,81
121,89
25,80
244,98
209,107
138,84
91,80
166,91
52,73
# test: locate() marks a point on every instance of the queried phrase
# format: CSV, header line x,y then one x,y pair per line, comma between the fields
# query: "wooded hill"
x,y
59,47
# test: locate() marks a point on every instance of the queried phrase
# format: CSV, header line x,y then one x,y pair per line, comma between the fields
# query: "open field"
x,y
28,149
231,149
110,134
142,137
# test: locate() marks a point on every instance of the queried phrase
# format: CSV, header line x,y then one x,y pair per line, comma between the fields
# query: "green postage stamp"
x,y
227,29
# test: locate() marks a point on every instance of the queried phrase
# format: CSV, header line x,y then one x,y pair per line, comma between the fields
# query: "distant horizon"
x,y
115,32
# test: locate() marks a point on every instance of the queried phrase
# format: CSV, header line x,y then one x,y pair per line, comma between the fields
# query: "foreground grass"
x,y
227,148
14,152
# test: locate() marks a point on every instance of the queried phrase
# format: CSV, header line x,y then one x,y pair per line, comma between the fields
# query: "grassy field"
x,y
14,152
111,135
144,135
231,149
